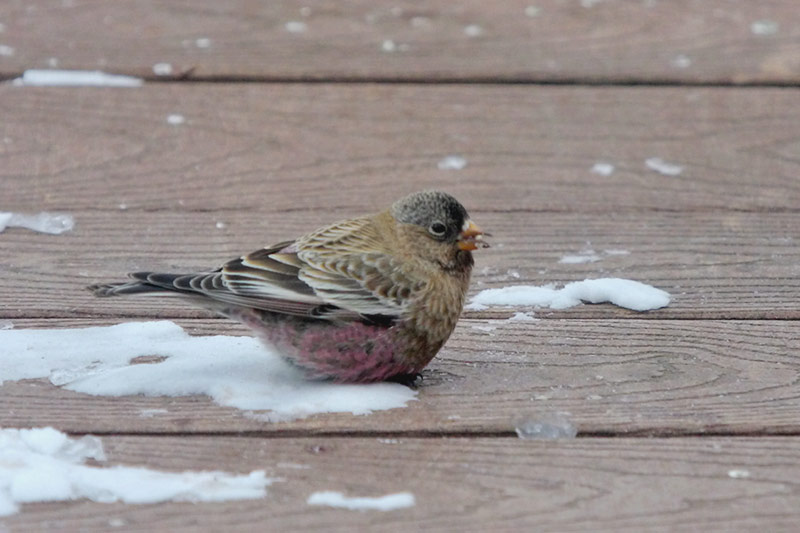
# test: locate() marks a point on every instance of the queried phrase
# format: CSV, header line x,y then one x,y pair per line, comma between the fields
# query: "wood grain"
x,y
323,147
612,377
684,41
716,265
603,485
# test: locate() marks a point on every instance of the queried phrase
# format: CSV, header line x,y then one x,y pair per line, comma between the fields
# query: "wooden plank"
x,y
716,265
611,376
694,41
318,147
603,485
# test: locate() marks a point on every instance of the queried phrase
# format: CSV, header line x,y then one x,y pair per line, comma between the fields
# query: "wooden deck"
x,y
287,130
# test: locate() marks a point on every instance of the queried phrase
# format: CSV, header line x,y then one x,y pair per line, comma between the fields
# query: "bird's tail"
x,y
144,283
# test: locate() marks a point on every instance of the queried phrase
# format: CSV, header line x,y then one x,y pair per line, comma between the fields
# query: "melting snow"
x,y
234,371
389,502
75,78
522,317
622,292
43,464
52,223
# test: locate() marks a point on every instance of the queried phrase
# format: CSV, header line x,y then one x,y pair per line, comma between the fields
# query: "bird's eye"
x,y
438,229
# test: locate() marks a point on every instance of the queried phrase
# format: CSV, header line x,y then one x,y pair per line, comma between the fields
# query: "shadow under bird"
x,y
367,299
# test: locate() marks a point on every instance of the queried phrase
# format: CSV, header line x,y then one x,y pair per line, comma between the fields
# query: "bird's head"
x,y
438,226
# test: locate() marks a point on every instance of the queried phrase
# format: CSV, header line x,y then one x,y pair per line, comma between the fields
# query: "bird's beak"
x,y
471,237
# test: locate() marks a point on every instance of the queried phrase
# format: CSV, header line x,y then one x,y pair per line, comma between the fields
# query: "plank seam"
x,y
467,80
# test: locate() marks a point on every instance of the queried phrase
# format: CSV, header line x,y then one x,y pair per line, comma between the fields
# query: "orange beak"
x,y
471,237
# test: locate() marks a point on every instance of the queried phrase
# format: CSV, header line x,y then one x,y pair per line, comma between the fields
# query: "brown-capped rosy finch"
x,y
367,299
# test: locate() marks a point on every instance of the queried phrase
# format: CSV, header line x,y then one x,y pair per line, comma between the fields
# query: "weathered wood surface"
x,y
687,41
284,147
611,376
716,265
601,485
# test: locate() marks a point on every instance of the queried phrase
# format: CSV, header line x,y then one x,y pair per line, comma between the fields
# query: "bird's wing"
x,y
342,271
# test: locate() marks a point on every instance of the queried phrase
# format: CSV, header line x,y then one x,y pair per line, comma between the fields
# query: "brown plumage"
x,y
365,299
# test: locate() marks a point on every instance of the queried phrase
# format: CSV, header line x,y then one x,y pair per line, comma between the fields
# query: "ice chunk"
x,y
390,502
6,50
551,426
75,78
52,223
622,292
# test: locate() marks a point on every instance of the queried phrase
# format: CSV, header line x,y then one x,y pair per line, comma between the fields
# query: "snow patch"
x,y
452,162
764,27
296,26
739,474
234,371
162,69
473,30
681,61
44,222
602,168
587,255
621,292
43,465
390,502
175,119
662,167
6,50
532,11
74,78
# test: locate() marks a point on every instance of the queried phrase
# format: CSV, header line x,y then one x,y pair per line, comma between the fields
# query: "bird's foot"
x,y
412,381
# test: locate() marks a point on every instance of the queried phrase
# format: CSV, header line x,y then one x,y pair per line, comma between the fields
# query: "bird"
x,y
368,299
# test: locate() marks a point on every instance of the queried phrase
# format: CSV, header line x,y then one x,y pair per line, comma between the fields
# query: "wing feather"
x,y
341,272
